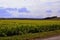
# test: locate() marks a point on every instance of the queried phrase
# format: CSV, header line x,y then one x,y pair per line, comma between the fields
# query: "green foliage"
x,y
14,27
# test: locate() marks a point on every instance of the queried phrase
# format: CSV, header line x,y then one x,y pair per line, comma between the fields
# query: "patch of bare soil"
x,y
50,38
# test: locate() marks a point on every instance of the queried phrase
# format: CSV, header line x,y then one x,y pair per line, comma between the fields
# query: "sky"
x,y
29,8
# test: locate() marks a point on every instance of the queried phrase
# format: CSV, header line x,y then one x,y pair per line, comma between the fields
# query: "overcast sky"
x,y
29,8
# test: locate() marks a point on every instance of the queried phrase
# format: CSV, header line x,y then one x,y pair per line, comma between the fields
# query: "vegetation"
x,y
22,27
32,36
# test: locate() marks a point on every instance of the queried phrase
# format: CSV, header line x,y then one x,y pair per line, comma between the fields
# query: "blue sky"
x,y
29,8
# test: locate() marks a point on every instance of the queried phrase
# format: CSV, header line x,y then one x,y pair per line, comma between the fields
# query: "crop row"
x,y
9,30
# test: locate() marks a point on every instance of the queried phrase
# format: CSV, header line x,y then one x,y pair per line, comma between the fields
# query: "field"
x,y
24,29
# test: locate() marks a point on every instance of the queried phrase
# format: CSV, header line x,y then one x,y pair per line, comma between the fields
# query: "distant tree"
x,y
51,17
54,17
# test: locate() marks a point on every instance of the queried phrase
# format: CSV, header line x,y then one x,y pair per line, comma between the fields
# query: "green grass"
x,y
32,36
28,29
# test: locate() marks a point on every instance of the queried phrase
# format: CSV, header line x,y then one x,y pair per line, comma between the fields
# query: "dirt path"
x,y
51,38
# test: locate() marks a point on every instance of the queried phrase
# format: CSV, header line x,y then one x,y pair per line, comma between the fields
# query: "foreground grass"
x,y
32,36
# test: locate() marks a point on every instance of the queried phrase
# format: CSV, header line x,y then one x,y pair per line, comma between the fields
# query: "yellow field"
x,y
22,27
38,22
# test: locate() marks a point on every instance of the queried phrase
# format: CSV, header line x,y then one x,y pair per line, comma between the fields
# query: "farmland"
x,y
28,27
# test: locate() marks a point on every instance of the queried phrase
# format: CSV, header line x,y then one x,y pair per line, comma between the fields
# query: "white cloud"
x,y
37,8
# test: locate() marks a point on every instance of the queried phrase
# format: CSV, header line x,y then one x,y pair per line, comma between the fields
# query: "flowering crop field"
x,y
20,27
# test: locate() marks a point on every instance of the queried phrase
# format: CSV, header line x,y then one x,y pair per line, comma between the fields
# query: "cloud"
x,y
4,13
30,8
23,10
